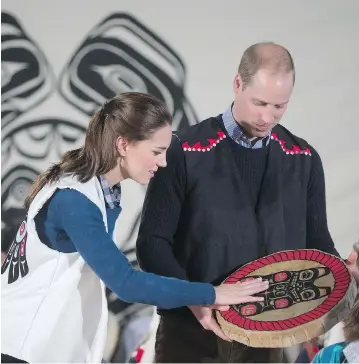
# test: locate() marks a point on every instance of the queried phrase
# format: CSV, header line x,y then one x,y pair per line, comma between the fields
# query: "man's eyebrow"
x,y
265,102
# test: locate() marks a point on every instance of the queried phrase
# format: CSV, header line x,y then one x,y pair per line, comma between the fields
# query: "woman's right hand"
x,y
231,294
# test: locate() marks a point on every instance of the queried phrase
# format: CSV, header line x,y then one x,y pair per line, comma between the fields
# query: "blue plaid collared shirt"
x,y
235,132
112,194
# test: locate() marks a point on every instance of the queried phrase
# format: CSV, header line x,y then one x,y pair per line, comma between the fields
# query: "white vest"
x,y
55,310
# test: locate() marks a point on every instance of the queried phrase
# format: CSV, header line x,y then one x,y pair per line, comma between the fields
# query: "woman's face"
x,y
142,159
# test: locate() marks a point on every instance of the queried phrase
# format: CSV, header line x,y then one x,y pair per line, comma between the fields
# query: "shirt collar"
x,y
112,194
235,132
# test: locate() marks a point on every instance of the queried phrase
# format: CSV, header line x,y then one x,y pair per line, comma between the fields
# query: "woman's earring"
x,y
122,158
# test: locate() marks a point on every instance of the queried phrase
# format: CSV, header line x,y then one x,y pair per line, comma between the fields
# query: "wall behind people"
x,y
61,60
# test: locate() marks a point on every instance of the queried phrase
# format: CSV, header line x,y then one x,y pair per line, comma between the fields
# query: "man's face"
x,y
261,105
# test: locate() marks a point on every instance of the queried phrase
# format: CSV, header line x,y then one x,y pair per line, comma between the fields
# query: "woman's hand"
x,y
231,294
228,294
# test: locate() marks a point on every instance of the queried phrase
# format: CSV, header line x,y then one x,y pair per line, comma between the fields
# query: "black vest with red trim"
x,y
220,229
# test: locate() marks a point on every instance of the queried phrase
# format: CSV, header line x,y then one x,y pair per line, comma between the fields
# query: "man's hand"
x,y
205,317
352,265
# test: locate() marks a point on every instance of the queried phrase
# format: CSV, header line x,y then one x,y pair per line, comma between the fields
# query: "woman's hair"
x,y
134,116
351,324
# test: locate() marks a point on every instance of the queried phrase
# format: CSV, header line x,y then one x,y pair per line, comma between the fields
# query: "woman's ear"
x,y
122,146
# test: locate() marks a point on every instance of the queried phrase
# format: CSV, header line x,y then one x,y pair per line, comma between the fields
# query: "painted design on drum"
x,y
16,257
341,278
286,288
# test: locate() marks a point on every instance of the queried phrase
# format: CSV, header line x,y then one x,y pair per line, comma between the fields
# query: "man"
x,y
237,187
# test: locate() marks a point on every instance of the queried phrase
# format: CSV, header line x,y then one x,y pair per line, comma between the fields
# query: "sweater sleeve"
x,y
83,222
160,215
318,235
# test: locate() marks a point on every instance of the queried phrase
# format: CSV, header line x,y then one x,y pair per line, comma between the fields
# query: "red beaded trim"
x,y
200,148
294,150
197,147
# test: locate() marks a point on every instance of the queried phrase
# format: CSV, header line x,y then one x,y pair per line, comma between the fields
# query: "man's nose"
x,y
268,116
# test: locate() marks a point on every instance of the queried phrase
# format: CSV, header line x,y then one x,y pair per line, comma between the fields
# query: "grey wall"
x,y
209,39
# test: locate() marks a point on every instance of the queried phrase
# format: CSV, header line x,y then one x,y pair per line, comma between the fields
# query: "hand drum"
x,y
309,292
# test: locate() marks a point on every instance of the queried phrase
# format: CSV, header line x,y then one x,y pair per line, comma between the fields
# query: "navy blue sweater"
x,y
70,222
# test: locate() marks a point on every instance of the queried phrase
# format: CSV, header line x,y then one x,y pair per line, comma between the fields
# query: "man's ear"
x,y
237,84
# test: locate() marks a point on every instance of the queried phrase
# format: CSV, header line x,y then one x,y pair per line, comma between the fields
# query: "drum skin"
x,y
309,292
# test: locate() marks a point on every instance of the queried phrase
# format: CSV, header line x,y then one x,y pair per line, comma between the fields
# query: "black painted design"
x,y
26,77
286,289
120,54
15,262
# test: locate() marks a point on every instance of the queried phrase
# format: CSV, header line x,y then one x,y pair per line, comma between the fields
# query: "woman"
x,y
346,351
53,301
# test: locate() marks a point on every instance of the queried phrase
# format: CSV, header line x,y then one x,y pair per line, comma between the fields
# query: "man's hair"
x,y
351,324
266,55
356,249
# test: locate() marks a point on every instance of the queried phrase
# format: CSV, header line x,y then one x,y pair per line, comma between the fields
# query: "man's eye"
x,y
258,103
156,153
